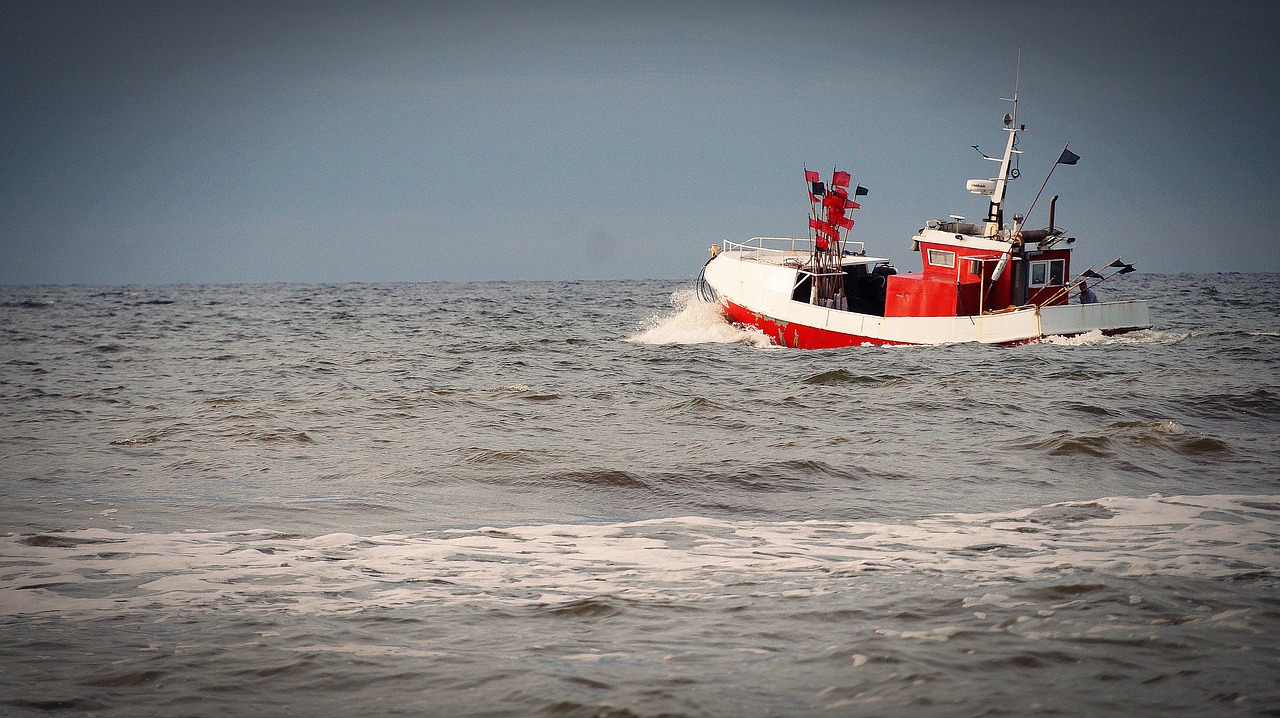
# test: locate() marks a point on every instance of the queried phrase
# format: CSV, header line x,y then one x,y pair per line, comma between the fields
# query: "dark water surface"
x,y
598,499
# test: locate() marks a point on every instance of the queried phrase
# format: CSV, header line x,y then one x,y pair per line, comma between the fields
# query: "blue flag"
x,y
1068,157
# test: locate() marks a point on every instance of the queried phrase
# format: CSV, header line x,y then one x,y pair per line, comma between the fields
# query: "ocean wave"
x,y
594,478
588,569
838,377
1260,403
774,476
503,458
25,304
1120,438
697,405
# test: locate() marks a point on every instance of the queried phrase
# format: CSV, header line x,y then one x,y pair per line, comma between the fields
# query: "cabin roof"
x,y
966,241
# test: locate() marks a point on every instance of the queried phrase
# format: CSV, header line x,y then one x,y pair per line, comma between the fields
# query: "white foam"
x,y
1097,338
695,322
1169,426
1190,536
1087,339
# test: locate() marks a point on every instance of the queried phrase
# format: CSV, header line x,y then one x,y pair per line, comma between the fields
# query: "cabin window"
x,y
975,267
939,258
1048,273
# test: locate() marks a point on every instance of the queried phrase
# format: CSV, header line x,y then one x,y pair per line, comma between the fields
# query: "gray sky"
x,y
328,142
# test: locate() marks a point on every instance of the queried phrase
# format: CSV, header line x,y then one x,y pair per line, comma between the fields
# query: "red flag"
x,y
840,179
833,201
810,176
824,228
845,222
821,243
840,192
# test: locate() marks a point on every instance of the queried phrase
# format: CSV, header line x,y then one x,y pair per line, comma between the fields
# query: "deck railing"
x,y
781,245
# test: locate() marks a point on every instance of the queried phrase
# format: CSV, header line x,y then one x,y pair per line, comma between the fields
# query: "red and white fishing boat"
x,y
991,282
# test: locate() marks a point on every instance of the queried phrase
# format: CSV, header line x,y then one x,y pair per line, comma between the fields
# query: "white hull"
x,y
759,293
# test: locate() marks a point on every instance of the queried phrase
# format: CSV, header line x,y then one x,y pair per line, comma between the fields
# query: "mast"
x,y
995,212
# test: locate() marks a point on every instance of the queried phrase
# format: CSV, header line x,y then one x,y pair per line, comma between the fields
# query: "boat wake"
x,y
1097,338
695,322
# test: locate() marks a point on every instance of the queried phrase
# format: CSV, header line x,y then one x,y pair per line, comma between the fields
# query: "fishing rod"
x,y
1122,268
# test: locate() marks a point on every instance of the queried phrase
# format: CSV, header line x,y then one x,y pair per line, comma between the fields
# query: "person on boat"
x,y
1087,295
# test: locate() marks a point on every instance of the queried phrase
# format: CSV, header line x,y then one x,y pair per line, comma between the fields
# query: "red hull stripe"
x,y
799,336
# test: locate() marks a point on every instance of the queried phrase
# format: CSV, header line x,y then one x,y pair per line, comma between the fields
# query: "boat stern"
x,y
1107,317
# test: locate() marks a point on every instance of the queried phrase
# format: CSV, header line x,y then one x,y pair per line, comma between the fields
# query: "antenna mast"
x,y
995,213
1017,77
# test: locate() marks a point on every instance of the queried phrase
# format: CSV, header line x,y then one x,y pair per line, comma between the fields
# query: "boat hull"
x,y
759,294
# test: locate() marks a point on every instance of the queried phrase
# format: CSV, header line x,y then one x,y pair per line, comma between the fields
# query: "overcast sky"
x,y
331,142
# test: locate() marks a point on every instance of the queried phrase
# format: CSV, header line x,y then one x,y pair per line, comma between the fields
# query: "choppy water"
x,y
598,499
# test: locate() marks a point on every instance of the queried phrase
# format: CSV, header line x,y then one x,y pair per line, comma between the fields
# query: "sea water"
x,y
600,499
